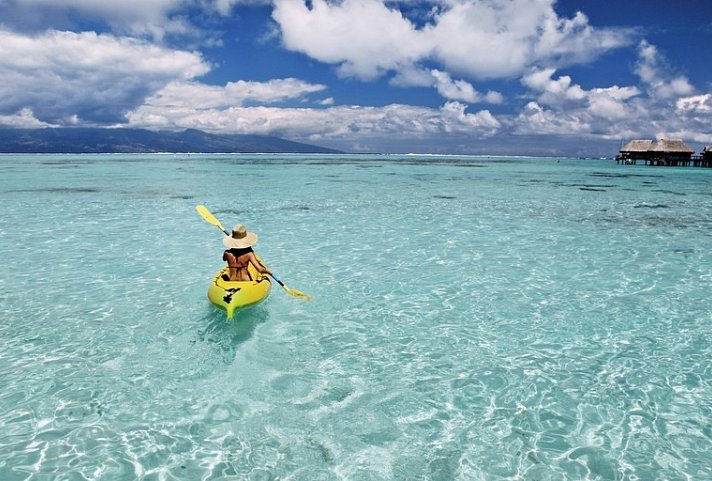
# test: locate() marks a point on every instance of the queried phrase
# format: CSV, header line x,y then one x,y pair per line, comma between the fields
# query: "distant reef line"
x,y
87,140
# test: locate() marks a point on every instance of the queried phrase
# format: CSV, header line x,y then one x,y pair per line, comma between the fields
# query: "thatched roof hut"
x,y
707,153
637,146
672,147
636,149
671,152
662,152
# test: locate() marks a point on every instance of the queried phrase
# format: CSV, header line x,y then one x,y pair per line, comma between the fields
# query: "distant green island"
x,y
102,140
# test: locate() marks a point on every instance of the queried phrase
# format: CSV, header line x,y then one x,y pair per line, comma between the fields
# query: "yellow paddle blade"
x,y
292,292
205,213
298,294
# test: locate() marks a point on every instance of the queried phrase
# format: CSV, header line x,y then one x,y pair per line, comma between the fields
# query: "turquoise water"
x,y
474,319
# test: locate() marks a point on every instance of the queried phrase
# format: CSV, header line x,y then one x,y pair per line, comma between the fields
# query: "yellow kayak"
x,y
234,295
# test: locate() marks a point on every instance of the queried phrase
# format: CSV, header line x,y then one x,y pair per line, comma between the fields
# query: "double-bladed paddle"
x,y
205,214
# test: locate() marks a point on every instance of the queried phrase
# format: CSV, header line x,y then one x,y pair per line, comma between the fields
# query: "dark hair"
x,y
237,252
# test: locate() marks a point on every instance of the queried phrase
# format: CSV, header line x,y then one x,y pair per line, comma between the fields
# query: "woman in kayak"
x,y
240,254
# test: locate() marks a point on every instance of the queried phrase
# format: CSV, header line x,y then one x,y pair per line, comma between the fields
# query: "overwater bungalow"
x,y
635,150
666,152
707,153
671,153
704,159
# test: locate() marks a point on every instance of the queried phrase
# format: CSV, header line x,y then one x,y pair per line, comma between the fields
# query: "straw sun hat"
x,y
240,238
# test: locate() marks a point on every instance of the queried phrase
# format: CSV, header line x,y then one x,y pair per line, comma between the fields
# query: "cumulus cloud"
x,y
611,103
364,38
696,103
195,95
494,39
312,124
563,107
663,108
461,90
605,103
654,73
154,18
23,119
541,80
64,76
502,39
445,85
692,117
534,119
124,8
672,108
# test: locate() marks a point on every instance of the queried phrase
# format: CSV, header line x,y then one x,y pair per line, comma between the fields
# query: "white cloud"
x,y
493,97
454,89
352,122
155,19
654,73
182,104
446,86
563,95
610,103
23,119
564,107
138,17
500,39
364,37
691,119
195,95
97,78
540,80
412,76
494,39
696,103
534,119
461,90
123,8
483,121
666,109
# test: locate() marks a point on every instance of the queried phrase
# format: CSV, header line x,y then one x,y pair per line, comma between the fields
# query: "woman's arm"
x,y
258,265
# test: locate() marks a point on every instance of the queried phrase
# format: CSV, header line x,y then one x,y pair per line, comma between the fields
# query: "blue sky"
x,y
443,76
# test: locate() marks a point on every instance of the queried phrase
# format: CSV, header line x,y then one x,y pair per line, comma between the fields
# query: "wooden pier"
x,y
665,153
693,161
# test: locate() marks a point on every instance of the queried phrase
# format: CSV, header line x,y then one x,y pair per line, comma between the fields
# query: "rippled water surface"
x,y
474,319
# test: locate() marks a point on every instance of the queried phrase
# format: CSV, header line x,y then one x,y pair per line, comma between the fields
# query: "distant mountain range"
x,y
99,140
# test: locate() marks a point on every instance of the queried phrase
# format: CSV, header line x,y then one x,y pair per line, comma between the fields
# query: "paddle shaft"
x,y
276,279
